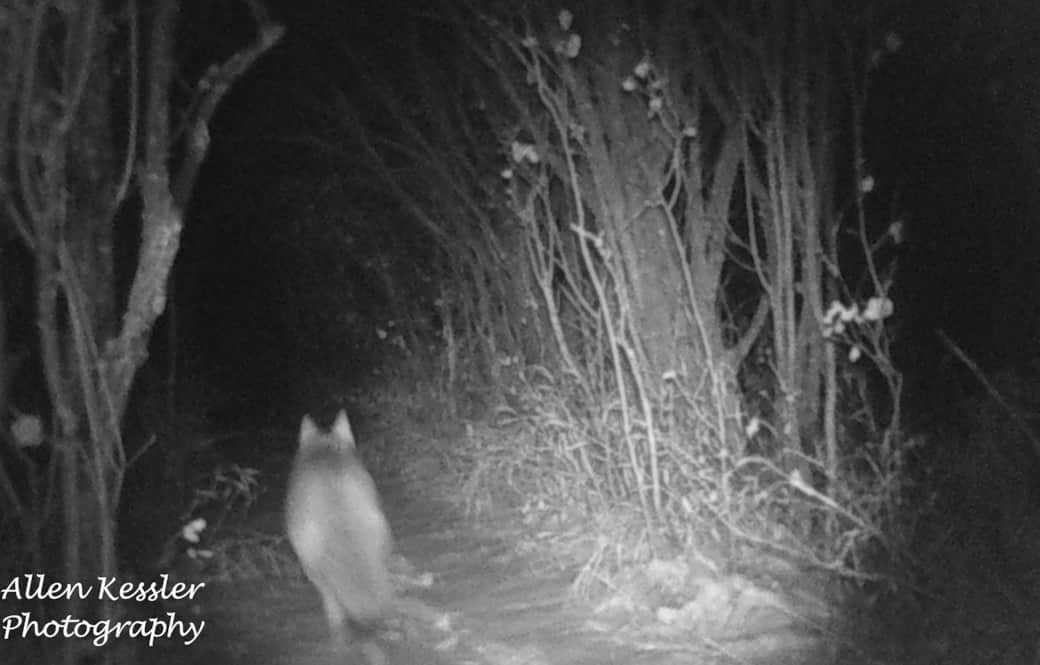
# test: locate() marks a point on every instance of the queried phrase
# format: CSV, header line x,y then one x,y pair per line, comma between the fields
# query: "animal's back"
x,y
336,525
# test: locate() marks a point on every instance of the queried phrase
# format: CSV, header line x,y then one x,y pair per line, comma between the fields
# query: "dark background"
x,y
951,134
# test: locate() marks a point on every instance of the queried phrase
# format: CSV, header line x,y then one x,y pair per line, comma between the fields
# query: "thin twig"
x,y
1017,419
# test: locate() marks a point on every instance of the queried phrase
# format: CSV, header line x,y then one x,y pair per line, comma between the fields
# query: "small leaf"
x,y
565,18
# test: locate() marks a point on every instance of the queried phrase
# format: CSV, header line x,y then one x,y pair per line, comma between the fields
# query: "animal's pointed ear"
x,y
308,430
341,428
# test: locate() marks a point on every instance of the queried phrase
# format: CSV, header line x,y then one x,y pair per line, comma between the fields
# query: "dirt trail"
x,y
484,605
469,597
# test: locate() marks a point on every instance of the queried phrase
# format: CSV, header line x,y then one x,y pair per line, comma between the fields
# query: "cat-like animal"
x,y
336,525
